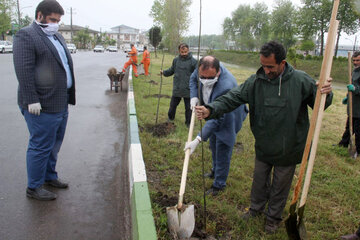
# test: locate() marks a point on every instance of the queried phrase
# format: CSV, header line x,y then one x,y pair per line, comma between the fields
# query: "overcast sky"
x,y
104,14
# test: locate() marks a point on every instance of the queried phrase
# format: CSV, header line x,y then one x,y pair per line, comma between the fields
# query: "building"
x,y
65,31
124,35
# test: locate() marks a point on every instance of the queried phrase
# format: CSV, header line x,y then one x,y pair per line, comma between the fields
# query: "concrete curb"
x,y
143,226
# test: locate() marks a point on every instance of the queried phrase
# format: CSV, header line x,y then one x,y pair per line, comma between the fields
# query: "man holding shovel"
x,y
278,96
355,89
216,80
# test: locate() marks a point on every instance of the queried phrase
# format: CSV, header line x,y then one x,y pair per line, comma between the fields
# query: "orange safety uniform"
x,y
146,61
132,61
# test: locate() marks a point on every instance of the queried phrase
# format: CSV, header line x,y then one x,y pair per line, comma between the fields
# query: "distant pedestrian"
x,y
278,96
182,67
216,80
146,61
45,72
132,60
355,89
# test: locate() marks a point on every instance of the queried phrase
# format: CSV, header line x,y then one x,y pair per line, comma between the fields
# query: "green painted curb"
x,y
143,222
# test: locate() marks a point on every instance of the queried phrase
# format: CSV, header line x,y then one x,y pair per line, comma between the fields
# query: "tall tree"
x,y
173,17
5,17
283,23
314,19
83,39
155,37
248,27
349,20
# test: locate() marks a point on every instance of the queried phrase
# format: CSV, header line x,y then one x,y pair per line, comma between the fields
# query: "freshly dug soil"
x,y
161,129
157,96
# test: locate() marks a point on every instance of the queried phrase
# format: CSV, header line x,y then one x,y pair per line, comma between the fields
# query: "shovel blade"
x,y
352,147
181,223
291,224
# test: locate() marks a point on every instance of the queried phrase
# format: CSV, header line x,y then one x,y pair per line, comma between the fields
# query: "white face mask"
x,y
208,82
49,28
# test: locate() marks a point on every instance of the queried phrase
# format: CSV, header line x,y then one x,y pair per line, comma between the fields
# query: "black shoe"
x,y
40,194
250,214
57,183
214,191
340,144
210,175
271,226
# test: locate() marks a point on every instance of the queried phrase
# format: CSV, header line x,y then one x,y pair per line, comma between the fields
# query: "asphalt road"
x,y
92,159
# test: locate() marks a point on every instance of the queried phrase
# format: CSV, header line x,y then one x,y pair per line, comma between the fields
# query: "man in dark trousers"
x,y
216,80
45,73
355,89
182,67
278,96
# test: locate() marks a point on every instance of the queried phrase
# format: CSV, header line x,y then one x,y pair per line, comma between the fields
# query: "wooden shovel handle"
x,y
350,96
324,75
186,161
309,170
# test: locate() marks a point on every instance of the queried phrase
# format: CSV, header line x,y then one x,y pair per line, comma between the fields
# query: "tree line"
x,y
249,27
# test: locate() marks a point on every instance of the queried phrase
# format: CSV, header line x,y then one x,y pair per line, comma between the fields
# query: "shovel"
x,y
181,217
294,223
352,147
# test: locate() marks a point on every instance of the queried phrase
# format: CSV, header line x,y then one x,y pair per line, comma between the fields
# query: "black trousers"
x,y
346,136
271,185
173,105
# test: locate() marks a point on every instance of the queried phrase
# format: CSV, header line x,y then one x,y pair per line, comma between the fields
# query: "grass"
x,y
332,208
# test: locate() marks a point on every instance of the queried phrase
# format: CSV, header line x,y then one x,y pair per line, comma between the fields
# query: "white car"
x,y
71,47
5,46
111,49
99,48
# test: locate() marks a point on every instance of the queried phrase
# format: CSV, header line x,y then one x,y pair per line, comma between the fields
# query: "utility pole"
x,y
71,25
19,14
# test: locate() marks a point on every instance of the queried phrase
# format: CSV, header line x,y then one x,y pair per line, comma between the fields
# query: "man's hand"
x,y
161,72
34,108
351,87
326,88
193,144
202,112
193,102
345,100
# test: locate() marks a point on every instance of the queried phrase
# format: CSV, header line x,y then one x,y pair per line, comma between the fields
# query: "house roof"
x,y
75,28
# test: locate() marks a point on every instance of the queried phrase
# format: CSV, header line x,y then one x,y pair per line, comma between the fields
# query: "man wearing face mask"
x,y
45,73
216,80
278,96
182,67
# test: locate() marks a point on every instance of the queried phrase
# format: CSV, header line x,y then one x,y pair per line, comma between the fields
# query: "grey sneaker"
x,y
40,194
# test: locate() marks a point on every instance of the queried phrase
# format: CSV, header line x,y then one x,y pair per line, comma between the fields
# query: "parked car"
x,y
99,48
71,47
127,49
112,49
5,46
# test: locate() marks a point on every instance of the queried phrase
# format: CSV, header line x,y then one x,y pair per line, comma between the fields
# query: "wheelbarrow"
x,y
116,81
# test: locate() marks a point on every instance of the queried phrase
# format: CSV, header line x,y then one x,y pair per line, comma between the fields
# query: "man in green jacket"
x,y
278,98
355,89
182,67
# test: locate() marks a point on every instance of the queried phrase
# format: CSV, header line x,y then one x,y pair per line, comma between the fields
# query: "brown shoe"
x,y
350,237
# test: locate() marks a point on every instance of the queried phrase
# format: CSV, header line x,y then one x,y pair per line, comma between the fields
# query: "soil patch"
x,y
152,82
157,96
161,129
238,147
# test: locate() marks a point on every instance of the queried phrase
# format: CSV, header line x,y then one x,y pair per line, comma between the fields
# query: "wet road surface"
x,y
92,159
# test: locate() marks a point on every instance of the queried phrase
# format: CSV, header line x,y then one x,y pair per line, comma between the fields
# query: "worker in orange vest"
x,y
146,60
132,61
